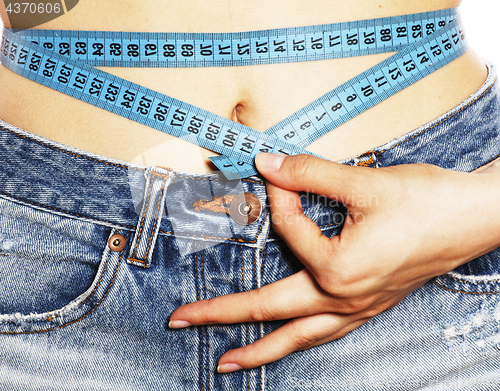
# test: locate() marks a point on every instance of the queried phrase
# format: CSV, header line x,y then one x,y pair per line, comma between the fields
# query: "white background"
x,y
481,18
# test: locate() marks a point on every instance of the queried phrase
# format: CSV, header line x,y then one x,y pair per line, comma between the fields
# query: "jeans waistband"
x,y
65,180
462,139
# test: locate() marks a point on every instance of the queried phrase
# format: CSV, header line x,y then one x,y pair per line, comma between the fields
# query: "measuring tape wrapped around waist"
x,y
309,43
62,60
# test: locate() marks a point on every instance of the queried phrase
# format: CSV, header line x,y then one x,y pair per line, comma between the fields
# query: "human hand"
x,y
415,222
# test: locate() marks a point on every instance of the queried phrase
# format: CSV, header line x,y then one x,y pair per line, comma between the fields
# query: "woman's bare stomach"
x,y
256,96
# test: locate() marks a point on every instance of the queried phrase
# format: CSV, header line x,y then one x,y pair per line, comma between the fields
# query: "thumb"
x,y
315,175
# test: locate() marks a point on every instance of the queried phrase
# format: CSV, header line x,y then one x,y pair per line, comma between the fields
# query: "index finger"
x,y
315,175
275,301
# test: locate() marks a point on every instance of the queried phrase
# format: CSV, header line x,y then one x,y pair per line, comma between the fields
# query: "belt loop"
x,y
141,250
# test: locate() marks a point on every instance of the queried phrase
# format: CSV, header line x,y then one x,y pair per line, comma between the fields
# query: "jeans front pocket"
x,y
481,276
54,269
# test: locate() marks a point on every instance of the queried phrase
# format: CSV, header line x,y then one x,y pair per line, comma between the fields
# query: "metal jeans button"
x,y
245,208
116,242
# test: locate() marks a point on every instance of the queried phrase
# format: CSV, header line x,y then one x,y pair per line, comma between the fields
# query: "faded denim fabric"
x,y
77,315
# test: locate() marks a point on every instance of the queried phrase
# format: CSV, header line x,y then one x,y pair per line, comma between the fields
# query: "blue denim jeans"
x,y
95,254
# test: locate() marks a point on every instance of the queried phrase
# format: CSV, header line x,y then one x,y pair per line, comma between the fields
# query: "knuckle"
x,y
374,311
354,306
351,308
337,283
304,340
300,166
343,279
376,308
261,312
331,284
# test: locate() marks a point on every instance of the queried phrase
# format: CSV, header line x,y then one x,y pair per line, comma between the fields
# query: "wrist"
x,y
483,216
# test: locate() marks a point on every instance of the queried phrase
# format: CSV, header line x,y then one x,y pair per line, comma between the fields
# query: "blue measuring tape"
x,y
310,43
238,143
359,94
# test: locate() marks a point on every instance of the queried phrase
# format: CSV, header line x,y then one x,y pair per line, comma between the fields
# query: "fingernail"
x,y
178,324
269,161
228,367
